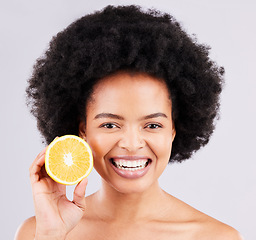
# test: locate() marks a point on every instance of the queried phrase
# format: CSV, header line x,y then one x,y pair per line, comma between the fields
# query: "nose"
x,y
132,140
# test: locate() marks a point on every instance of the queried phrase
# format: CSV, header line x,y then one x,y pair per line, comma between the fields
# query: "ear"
x,y
82,128
173,131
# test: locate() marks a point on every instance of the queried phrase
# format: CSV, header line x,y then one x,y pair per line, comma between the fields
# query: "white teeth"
x,y
130,165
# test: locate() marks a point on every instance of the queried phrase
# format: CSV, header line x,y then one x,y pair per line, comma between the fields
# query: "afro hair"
x,y
126,38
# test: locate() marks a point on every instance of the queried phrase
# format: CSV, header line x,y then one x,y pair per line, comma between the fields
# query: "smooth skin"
x,y
129,115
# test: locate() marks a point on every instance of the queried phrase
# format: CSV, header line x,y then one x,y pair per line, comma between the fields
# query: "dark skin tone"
x,y
130,203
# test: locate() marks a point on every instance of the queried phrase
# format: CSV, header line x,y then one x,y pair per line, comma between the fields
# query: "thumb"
x,y
79,194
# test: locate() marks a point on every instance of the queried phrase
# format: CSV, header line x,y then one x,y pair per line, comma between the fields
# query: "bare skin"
x,y
125,208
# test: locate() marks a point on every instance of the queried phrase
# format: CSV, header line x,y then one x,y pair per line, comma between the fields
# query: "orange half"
x,y
68,159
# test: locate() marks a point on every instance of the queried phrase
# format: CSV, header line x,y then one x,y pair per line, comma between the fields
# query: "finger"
x,y
41,153
36,166
39,160
79,194
43,173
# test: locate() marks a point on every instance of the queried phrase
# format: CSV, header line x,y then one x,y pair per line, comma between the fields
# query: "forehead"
x,y
142,82
129,90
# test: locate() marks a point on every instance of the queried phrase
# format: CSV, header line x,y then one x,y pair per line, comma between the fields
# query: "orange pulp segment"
x,y
68,159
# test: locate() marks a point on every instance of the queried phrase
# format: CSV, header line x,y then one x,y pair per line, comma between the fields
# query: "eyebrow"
x,y
154,115
115,116
108,115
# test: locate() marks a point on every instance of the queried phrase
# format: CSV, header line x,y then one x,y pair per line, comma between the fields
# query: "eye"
x,y
153,126
109,125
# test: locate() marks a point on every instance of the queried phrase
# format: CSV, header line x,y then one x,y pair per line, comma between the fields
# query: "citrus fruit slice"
x,y
68,159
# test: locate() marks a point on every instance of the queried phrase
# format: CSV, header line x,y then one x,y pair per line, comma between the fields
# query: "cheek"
x,y
100,144
99,148
96,145
162,146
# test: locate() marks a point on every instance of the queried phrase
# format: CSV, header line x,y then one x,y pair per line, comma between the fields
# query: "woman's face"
x,y
130,130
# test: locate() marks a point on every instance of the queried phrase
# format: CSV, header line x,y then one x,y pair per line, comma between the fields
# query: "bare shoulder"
x,y
200,226
26,230
210,228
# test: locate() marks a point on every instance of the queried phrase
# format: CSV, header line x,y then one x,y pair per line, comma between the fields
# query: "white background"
x,y
220,180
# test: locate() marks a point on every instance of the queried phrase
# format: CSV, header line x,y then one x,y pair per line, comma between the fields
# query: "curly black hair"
x,y
126,38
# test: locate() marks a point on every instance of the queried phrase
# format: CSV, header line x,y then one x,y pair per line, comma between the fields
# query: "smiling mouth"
x,y
130,165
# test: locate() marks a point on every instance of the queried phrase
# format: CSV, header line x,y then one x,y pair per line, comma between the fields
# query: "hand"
x,y
56,216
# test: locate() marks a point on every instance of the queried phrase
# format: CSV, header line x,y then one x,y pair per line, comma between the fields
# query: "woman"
x,y
142,93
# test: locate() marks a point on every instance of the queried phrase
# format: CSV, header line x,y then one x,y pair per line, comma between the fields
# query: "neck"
x,y
128,207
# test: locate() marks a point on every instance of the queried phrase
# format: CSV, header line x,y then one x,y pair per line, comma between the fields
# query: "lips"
x,y
131,166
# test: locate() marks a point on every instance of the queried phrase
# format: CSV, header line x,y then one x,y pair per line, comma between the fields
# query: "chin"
x,y
131,186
